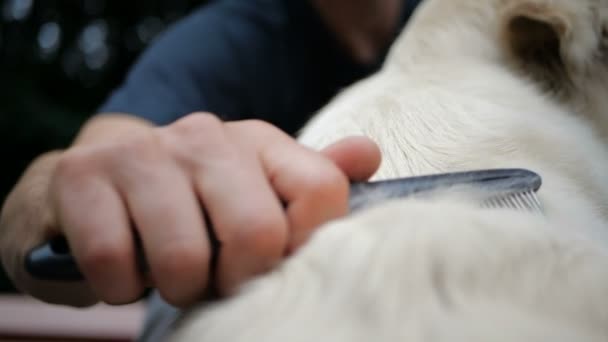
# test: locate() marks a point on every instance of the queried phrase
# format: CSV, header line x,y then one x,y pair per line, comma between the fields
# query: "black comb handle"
x,y
53,261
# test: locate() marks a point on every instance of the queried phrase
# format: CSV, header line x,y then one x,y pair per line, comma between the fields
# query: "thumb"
x,y
358,157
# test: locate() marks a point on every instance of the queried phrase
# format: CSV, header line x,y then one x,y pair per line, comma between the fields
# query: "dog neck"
x,y
470,33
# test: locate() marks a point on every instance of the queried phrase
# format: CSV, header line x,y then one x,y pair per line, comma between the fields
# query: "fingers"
x,y
313,187
96,224
358,157
168,218
248,218
315,191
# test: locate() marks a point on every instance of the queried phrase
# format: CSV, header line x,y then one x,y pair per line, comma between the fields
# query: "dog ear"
x,y
535,37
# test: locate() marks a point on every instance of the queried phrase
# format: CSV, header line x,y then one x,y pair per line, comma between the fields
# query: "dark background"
x,y
59,61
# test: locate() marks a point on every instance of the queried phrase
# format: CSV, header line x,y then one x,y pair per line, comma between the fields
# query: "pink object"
x,y
26,317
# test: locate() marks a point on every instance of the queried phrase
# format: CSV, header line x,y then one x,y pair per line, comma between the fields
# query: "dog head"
x,y
563,46
560,45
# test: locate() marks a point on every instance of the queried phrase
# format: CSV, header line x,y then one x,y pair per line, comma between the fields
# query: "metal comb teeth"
x,y
523,201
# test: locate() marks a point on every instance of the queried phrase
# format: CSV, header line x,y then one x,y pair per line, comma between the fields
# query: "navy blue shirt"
x,y
273,60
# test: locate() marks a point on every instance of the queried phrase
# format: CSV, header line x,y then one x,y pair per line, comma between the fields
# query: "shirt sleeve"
x,y
206,62
274,60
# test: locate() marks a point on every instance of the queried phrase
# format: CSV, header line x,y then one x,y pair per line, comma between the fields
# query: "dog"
x,y
469,84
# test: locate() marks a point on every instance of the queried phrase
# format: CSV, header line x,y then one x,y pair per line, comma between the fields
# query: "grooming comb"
x,y
500,188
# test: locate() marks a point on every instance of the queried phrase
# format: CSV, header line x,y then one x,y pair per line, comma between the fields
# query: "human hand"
x,y
262,191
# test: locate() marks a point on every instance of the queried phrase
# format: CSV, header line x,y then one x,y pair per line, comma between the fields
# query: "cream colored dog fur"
x,y
470,84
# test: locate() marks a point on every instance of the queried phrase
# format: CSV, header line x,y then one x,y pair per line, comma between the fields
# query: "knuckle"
x,y
134,160
261,234
194,137
102,259
136,152
74,164
196,124
179,258
99,255
181,273
328,186
258,129
142,147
